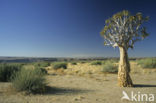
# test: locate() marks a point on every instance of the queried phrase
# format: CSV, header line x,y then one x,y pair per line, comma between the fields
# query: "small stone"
x,y
79,98
75,99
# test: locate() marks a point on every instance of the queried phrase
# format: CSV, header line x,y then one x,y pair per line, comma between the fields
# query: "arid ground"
x,y
83,83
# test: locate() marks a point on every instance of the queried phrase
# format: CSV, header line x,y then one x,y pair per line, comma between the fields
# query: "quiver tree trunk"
x,y
124,79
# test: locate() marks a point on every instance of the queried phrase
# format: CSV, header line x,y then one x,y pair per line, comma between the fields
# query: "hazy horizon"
x,y
74,57
68,28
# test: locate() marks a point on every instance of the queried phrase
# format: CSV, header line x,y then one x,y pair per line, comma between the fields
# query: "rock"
x,y
79,98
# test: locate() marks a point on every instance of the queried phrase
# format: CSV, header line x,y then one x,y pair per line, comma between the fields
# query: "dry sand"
x,y
85,88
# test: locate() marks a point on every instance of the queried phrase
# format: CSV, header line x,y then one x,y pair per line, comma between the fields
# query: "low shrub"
x,y
58,65
114,60
82,62
74,63
109,68
41,70
7,70
42,64
147,63
110,60
96,63
29,80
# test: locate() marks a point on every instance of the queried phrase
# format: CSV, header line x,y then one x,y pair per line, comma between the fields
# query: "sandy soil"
x,y
86,88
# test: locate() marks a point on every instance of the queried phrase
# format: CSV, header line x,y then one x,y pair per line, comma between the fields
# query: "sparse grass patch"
x,y
110,60
82,62
96,63
114,60
42,64
74,63
7,70
29,80
58,65
147,63
109,68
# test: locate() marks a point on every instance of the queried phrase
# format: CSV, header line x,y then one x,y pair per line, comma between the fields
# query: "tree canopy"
x,y
123,29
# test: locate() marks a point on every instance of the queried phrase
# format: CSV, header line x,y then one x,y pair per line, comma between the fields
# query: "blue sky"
x,y
67,28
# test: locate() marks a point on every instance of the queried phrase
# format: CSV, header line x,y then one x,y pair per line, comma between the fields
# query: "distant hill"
x,y
37,59
24,59
33,59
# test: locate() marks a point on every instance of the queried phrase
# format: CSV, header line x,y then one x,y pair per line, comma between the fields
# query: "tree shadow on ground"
x,y
62,91
143,85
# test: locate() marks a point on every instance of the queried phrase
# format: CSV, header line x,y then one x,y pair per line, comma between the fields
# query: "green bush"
x,y
110,60
96,63
58,65
74,63
29,80
110,68
82,62
42,64
41,70
147,63
7,70
114,60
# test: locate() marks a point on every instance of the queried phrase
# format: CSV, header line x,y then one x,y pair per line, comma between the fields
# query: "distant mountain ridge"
x,y
52,59
41,59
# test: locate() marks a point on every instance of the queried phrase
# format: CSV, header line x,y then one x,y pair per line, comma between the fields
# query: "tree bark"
x,y
124,79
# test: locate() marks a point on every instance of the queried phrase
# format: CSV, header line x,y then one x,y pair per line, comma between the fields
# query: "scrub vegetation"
x,y
29,80
147,63
58,65
110,67
80,80
96,63
7,71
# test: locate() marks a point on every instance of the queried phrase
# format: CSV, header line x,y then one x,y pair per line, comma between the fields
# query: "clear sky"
x,y
68,28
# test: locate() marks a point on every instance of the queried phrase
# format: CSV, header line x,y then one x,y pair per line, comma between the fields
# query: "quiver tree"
x,y
123,30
